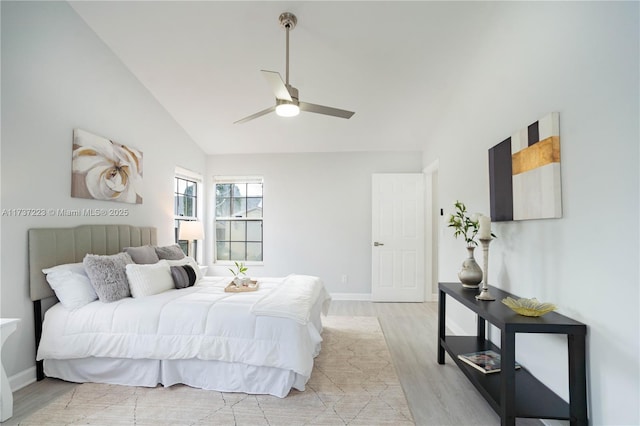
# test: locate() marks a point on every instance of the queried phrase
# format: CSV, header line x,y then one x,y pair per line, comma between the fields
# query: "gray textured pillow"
x,y
173,252
142,254
108,275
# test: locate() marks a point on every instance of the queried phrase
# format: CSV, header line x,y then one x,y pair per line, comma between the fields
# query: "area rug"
x,y
353,383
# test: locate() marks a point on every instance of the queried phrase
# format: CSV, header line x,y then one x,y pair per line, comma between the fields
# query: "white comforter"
x,y
201,322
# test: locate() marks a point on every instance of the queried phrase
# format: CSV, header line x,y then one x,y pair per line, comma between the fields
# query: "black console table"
x,y
516,393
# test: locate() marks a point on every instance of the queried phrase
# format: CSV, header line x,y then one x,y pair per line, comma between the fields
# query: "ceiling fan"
x,y
287,103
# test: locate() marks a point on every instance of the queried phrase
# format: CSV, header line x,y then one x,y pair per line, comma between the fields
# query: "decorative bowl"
x,y
529,307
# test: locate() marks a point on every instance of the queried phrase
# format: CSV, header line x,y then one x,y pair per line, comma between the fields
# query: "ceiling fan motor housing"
x,y
288,20
288,108
293,92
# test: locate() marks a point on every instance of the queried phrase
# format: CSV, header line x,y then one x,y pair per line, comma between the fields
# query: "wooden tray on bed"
x,y
231,288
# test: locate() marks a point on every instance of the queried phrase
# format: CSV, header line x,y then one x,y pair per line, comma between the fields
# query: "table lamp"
x,y
191,230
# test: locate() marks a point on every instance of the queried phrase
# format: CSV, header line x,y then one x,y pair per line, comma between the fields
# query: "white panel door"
x,y
397,237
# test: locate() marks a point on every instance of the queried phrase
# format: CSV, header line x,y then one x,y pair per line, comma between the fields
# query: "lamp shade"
x,y
191,230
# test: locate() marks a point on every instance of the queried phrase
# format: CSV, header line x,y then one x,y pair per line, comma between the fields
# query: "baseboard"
x,y
22,379
366,297
351,296
455,328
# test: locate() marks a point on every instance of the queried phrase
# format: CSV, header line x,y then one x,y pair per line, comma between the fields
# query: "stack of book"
x,y
485,361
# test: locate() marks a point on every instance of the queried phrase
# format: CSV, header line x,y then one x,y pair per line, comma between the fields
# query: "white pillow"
x,y
187,261
149,279
71,284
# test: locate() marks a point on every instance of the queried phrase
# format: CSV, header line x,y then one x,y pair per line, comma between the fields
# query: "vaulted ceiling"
x,y
396,64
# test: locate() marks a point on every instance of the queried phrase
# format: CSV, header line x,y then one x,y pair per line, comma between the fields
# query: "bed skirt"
x,y
210,375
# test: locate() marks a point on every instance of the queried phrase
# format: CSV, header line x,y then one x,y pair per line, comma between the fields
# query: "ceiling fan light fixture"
x,y
287,103
287,109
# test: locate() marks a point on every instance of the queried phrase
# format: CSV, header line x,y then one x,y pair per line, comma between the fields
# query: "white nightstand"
x,y
7,327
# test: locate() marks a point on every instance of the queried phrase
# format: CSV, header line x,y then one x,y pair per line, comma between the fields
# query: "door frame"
x,y
432,229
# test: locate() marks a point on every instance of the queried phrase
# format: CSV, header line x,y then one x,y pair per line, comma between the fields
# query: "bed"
x,y
259,342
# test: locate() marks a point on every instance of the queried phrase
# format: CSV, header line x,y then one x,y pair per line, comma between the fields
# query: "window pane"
x,y
254,230
223,207
184,245
189,206
190,188
254,252
254,190
223,230
254,207
222,250
223,190
254,202
239,207
239,189
182,185
238,230
256,213
237,251
180,206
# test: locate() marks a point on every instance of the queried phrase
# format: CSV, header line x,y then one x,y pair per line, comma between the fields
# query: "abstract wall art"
x,y
105,170
524,173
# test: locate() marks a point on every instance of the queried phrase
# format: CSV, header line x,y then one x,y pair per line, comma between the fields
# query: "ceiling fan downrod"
x,y
288,21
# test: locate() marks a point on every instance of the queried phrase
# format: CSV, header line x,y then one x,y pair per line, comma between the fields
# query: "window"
x,y
186,205
239,219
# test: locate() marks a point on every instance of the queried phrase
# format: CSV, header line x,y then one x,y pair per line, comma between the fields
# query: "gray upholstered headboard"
x,y
54,246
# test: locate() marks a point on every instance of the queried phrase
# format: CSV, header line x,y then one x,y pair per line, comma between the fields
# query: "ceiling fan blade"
x,y
277,85
320,109
256,115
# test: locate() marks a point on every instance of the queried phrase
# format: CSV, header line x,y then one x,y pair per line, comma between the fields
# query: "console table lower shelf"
x,y
512,392
545,405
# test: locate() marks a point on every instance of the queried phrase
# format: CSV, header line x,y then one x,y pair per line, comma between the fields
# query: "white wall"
x,y
317,212
580,59
57,75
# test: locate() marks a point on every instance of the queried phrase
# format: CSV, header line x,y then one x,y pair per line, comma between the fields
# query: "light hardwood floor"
x,y
437,394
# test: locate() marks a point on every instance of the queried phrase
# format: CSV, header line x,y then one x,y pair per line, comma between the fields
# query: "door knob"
x,y
376,244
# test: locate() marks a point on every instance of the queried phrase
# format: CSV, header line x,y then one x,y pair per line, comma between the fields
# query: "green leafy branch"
x,y
464,225
240,269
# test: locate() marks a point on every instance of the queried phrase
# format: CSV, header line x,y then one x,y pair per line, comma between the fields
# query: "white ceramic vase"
x,y
471,274
240,279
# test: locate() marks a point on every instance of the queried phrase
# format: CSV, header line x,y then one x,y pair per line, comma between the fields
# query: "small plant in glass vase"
x,y
467,226
239,276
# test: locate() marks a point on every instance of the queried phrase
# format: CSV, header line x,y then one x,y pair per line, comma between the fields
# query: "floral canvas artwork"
x,y
105,170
